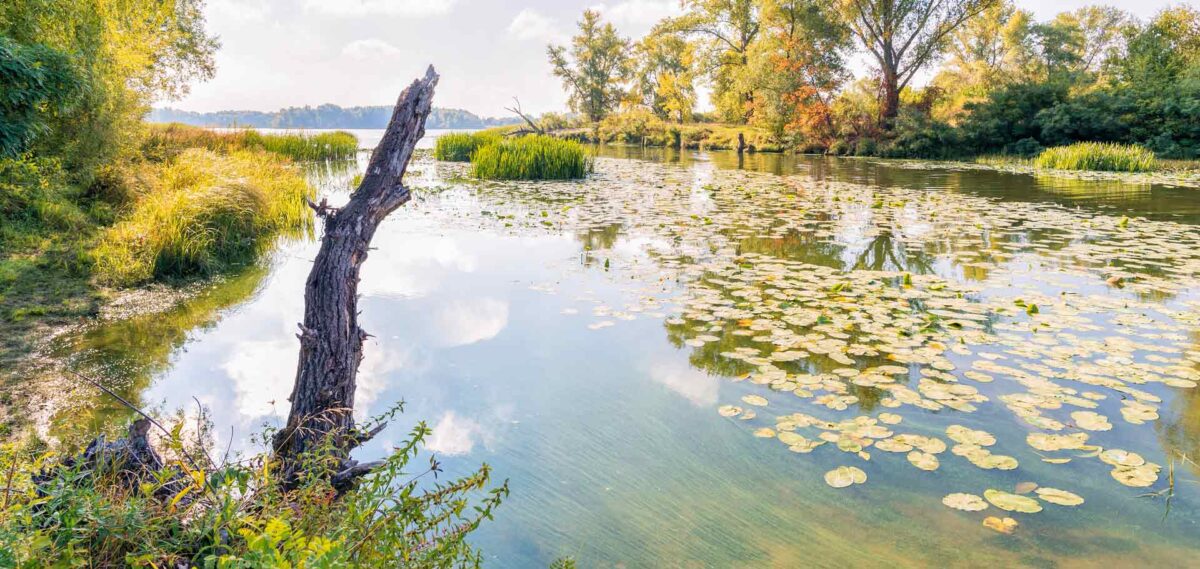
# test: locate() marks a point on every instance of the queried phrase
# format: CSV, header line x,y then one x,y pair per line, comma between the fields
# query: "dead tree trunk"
x,y
331,342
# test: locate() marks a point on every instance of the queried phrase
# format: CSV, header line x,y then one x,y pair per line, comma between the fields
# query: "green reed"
x,y
1099,156
461,146
531,158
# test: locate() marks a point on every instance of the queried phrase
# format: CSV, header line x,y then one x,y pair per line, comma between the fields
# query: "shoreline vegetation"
x,y
187,203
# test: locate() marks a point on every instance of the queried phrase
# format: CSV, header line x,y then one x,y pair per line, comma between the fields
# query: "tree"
x,y
595,68
727,29
987,52
665,74
1098,34
1165,50
321,418
129,52
904,36
797,68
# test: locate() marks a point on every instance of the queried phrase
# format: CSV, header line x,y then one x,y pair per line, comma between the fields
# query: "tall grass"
x,y
201,213
1099,156
531,158
166,141
461,146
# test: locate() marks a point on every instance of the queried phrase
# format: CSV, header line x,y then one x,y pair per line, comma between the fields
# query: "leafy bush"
x,y
1100,156
238,515
461,146
531,158
200,213
38,83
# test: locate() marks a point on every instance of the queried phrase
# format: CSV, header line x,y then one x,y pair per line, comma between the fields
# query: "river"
x,y
667,359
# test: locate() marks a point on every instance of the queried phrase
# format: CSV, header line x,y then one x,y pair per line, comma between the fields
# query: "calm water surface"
x,y
582,338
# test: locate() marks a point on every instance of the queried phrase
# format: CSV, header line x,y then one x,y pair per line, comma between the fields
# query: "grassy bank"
x,y
200,213
166,140
189,203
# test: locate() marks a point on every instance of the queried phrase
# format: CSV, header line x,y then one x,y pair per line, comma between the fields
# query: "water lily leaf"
x,y
765,433
1025,487
1059,497
1012,502
729,410
1002,525
965,502
755,400
1091,421
844,476
923,460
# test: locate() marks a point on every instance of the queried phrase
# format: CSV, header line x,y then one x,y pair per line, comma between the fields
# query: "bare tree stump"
x,y
331,341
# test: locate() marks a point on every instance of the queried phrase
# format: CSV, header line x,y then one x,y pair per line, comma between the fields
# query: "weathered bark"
x,y
331,340
129,461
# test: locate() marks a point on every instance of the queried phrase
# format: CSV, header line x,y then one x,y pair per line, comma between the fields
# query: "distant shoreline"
x,y
323,117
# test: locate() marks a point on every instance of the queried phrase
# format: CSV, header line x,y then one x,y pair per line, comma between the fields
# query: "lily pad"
x,y
965,502
1012,502
1059,497
844,476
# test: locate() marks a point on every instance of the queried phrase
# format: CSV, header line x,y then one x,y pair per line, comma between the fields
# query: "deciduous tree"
x,y
595,68
905,36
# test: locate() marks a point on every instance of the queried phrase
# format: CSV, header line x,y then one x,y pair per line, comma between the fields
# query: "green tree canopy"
x,y
594,68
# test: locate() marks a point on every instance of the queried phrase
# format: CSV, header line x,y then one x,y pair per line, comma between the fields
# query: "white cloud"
x,y
411,266
263,373
531,25
379,7
454,435
464,322
696,386
371,49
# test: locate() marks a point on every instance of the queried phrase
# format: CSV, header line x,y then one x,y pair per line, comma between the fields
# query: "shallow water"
x,y
587,339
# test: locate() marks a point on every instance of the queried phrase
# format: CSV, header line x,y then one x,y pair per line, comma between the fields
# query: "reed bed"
x,y
461,146
167,141
1098,156
531,158
202,212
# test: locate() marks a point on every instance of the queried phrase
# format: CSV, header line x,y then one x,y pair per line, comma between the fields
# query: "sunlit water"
x,y
588,340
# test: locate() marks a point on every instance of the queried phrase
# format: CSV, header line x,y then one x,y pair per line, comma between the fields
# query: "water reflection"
x,y
581,336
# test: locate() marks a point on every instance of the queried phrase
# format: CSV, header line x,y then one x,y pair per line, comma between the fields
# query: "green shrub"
x,y
531,158
201,213
1100,156
461,146
39,82
238,515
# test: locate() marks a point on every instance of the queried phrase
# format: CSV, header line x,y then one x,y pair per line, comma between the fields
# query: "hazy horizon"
x,y
295,53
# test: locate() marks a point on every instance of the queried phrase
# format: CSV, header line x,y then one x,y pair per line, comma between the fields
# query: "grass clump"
x,y
164,141
531,158
461,146
199,213
1098,156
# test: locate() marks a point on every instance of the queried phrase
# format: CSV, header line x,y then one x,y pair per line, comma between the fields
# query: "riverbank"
x,y
191,204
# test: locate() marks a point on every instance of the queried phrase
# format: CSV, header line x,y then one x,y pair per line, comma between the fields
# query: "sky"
x,y
282,53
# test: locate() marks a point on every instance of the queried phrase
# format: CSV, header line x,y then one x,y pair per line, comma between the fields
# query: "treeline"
x,y
1001,81
322,116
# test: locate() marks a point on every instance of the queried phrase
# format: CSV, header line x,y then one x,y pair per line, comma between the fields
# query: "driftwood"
x,y
331,341
533,126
